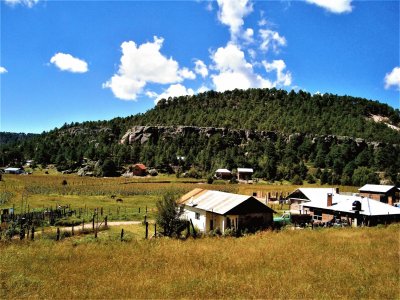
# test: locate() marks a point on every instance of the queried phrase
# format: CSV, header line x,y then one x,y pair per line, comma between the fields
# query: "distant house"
x,y
304,195
209,210
223,174
327,204
244,173
13,171
139,170
384,193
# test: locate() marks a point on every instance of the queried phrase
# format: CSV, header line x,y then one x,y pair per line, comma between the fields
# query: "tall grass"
x,y
321,264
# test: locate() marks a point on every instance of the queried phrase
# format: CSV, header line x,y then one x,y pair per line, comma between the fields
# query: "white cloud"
x,y
334,6
174,90
200,68
66,62
393,78
141,65
28,3
202,89
186,73
248,35
3,70
231,13
283,78
271,39
234,70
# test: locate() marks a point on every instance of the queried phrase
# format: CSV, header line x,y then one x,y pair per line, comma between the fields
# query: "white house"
x,y
13,171
223,174
245,173
209,210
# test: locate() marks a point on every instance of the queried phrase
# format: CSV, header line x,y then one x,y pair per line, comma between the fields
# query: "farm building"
x,y
210,210
326,204
303,195
384,193
244,174
139,170
223,174
13,171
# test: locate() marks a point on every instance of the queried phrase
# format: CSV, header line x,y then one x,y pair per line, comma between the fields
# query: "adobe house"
x,y
209,210
139,170
223,174
244,174
383,193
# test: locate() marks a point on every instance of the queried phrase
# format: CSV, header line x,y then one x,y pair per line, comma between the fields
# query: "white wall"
x,y
190,213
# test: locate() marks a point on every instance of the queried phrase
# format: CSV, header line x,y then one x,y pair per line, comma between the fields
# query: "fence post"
x,y
33,233
83,224
58,234
122,234
101,211
139,210
105,220
93,222
147,230
72,230
155,230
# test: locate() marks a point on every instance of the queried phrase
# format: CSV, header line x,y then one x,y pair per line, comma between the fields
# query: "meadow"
x,y
319,264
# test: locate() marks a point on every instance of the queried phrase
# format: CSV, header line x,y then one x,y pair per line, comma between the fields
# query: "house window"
x,y
317,215
197,216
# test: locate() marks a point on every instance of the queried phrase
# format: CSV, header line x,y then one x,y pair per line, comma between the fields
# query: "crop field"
x,y
295,264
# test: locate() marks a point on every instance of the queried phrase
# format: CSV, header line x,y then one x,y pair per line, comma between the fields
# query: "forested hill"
x,y
11,137
277,133
279,111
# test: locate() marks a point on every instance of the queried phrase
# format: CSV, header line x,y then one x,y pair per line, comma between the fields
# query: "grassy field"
x,y
320,264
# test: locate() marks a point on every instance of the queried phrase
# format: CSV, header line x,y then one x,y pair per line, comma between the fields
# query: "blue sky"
x,y
73,61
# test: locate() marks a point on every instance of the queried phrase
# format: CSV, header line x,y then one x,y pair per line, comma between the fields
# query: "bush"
x,y
168,216
210,180
296,180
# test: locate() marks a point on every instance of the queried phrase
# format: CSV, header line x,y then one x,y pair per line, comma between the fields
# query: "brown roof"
x,y
140,166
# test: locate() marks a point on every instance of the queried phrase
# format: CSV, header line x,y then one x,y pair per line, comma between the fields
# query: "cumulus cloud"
x,y
174,90
271,40
234,71
66,62
28,3
200,68
231,13
334,6
141,65
186,73
283,78
3,70
393,78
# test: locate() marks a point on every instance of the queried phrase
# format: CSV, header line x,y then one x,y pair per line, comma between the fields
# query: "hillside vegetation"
x,y
316,137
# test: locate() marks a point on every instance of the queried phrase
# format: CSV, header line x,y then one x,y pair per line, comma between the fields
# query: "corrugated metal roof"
x,y
245,170
369,207
318,195
12,169
376,188
223,171
344,203
213,201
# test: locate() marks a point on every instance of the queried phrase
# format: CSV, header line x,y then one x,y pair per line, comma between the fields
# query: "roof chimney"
x,y
329,200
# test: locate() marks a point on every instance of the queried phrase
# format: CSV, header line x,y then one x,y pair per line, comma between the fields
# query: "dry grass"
x,y
321,264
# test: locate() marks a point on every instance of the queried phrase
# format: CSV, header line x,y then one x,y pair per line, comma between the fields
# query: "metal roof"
x,y
12,169
376,188
223,171
344,203
213,201
245,170
317,195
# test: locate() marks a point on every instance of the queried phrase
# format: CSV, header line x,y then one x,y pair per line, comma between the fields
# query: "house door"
x,y
211,224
